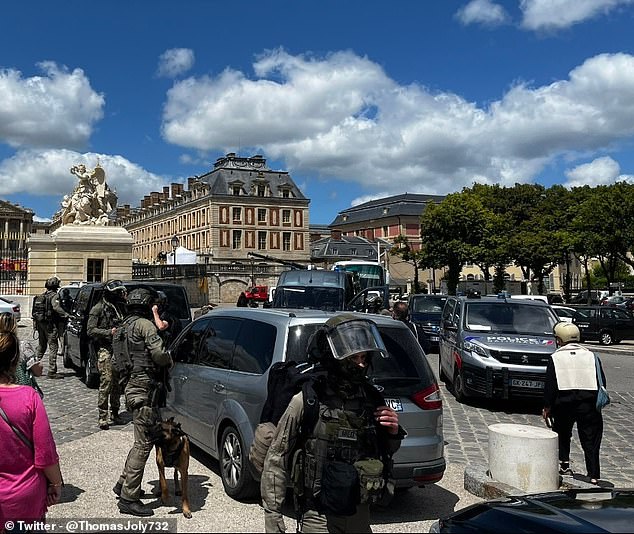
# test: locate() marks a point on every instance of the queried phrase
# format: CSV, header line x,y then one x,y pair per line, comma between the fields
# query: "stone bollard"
x,y
523,456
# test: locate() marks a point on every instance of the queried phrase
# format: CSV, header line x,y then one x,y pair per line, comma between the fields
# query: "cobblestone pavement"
x,y
72,409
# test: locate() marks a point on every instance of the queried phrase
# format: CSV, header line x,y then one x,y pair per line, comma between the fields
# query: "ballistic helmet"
x,y
345,335
53,283
141,299
566,333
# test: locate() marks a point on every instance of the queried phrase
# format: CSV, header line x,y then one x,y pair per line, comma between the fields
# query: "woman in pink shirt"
x,y
30,477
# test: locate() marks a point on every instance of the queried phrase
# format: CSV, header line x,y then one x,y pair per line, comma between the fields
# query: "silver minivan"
x,y
219,385
496,347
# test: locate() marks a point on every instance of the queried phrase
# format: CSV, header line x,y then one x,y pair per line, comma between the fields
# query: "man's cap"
x,y
567,332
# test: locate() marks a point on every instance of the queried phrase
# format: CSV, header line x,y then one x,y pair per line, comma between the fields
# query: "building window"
x,y
286,241
236,190
261,215
237,214
286,216
335,252
353,252
237,239
94,270
261,190
261,240
386,231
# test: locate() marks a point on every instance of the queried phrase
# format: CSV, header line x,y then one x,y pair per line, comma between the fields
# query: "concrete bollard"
x,y
523,456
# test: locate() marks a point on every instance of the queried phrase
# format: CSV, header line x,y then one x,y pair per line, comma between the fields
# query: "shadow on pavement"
x,y
416,504
70,493
198,488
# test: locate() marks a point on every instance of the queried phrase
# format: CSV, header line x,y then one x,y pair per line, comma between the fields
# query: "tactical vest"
x,y
345,439
139,354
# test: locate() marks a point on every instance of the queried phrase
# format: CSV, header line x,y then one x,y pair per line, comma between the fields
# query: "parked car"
x,y
496,347
8,306
604,324
425,311
565,313
219,385
79,352
582,297
573,510
614,300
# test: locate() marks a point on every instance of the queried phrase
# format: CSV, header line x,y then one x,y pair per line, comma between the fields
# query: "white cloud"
x,y
342,116
601,171
483,12
555,14
47,172
174,62
58,109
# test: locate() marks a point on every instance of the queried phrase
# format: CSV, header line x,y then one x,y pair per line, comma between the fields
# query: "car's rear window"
x,y
404,372
177,303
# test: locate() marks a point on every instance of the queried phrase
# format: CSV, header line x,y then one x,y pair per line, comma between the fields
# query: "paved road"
x,y
91,459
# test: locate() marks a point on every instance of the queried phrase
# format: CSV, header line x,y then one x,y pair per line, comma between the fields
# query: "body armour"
x,y
139,353
341,450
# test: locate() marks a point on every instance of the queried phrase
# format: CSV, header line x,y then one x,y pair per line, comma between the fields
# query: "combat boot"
x,y
115,418
134,508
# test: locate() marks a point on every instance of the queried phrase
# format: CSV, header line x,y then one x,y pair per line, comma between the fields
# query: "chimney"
x,y
174,188
166,192
155,198
190,182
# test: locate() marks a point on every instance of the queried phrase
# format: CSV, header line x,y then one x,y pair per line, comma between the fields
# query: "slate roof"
x,y
8,209
231,169
405,204
341,248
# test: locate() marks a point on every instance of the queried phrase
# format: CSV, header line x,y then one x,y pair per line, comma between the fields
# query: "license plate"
x,y
536,384
395,404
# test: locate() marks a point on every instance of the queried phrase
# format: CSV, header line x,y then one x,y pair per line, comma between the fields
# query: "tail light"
x,y
428,398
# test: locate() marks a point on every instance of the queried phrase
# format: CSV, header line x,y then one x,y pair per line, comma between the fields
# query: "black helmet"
x,y
345,335
115,291
53,283
141,299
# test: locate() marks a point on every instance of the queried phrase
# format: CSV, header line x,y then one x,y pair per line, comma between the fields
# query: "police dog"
x,y
172,450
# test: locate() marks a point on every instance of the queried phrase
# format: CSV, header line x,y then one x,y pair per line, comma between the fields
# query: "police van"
x,y
495,347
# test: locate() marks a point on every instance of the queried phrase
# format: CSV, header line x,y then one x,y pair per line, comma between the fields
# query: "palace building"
x,y
240,206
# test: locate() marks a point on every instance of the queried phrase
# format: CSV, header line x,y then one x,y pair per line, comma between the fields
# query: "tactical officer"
x,y
102,321
343,464
144,395
47,329
400,312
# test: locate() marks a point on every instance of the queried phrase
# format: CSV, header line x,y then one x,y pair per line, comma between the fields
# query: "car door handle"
x,y
219,388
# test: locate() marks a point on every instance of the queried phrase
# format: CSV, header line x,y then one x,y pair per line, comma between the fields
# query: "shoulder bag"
x,y
17,431
603,399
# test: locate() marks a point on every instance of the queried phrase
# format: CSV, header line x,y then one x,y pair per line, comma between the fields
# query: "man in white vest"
x,y
570,396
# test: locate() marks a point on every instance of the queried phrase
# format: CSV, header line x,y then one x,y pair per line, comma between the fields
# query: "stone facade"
x,y
240,206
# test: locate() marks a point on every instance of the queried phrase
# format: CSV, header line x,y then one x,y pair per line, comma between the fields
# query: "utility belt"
x,y
337,487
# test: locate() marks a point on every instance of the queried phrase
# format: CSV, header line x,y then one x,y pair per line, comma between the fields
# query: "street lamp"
x,y
174,242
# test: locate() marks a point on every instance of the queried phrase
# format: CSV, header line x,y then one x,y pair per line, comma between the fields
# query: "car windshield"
x,y
427,304
509,318
402,373
315,298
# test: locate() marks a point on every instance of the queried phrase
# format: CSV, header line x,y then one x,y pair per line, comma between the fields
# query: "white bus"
x,y
370,273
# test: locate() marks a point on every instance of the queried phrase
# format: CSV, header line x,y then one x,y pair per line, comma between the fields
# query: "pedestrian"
x,y
144,395
354,430
47,313
243,301
400,312
29,367
30,477
103,318
570,396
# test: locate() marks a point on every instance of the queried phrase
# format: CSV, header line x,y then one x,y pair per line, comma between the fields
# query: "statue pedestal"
x,y
79,253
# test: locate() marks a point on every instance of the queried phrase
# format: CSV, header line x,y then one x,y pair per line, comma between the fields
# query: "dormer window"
x,y
345,218
261,190
236,191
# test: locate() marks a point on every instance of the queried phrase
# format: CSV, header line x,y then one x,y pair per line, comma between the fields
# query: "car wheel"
x,y
606,338
92,379
234,468
458,386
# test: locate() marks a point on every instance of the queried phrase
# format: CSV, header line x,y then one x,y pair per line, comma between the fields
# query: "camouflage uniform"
x,y
48,332
103,317
138,399
277,469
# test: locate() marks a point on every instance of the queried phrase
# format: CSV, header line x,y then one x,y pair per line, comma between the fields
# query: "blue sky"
x,y
357,99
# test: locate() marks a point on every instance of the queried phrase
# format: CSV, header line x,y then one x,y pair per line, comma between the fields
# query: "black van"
x,y
79,352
